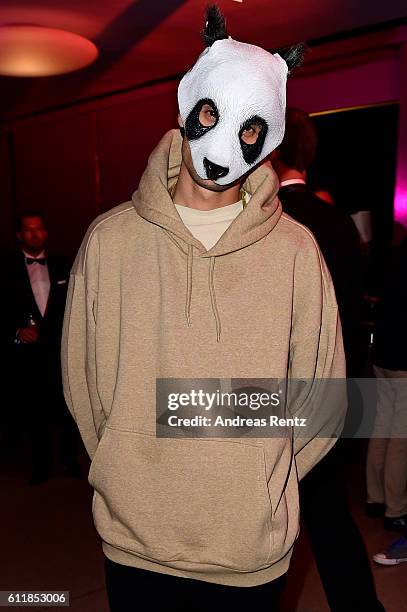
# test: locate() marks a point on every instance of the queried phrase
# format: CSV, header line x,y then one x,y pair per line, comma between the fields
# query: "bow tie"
x,y
40,260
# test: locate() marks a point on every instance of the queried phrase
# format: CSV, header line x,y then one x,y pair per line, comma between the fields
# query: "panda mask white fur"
x,y
244,85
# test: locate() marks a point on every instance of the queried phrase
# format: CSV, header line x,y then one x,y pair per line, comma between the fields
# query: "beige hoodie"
x,y
146,300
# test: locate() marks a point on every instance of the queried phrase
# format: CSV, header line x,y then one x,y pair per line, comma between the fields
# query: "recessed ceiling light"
x,y
36,51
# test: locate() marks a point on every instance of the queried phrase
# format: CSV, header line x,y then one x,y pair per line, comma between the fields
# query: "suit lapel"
x,y
53,277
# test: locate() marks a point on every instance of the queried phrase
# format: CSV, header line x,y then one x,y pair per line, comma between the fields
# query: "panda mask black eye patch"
x,y
252,151
193,127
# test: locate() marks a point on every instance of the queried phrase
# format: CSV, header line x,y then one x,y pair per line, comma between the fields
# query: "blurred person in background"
x,y
386,470
32,315
337,545
335,232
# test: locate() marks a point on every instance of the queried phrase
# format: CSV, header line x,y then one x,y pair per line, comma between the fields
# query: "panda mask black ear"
x,y
293,56
215,26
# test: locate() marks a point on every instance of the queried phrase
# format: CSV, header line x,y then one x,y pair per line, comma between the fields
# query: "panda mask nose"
x,y
213,171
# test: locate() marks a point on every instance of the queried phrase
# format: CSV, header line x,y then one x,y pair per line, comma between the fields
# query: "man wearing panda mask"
x,y
201,276
231,118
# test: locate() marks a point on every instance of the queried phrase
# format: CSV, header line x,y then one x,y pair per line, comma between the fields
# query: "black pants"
x,y
134,590
39,409
335,539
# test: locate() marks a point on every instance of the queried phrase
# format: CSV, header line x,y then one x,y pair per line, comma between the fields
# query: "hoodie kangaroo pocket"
x,y
192,502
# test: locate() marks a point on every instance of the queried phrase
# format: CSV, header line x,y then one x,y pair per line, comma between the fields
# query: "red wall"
x,y
77,162
55,171
127,134
6,189
360,85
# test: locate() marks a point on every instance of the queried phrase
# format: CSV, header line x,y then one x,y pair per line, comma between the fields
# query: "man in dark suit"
x,y
36,285
335,232
335,539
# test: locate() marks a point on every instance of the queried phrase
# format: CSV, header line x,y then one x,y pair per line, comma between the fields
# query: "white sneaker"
x,y
394,554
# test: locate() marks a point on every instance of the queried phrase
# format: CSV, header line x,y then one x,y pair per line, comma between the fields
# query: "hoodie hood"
x,y
153,202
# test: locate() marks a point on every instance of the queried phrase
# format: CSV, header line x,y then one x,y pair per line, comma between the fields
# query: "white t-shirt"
x,y
209,225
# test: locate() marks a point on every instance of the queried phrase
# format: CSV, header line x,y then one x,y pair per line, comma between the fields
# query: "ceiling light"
x,y
36,51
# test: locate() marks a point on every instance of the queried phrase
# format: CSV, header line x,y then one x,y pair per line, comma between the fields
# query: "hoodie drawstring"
x,y
189,285
188,297
213,299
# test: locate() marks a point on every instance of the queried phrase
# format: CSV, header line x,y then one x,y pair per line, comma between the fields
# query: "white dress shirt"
x,y
39,279
295,181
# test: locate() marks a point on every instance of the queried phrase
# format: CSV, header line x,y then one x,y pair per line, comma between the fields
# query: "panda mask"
x,y
232,104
